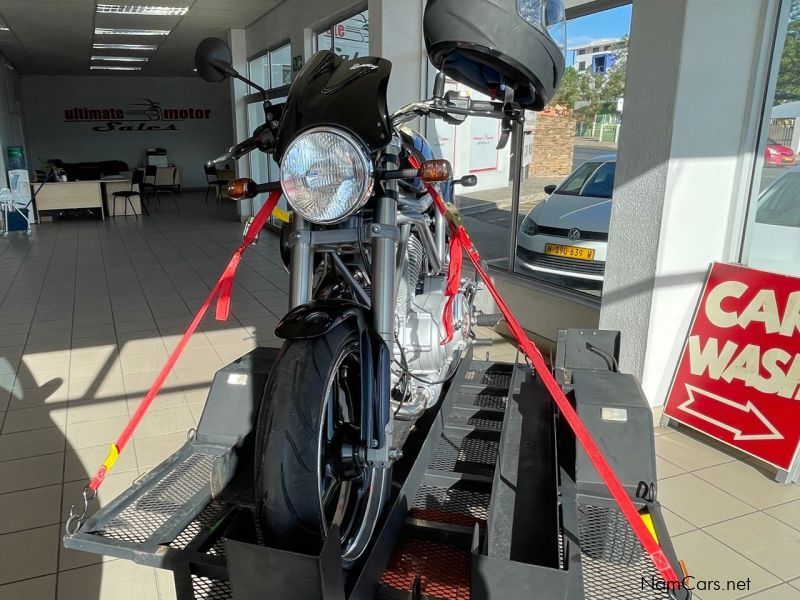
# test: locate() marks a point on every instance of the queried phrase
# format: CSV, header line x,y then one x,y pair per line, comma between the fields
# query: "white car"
x,y
566,235
775,241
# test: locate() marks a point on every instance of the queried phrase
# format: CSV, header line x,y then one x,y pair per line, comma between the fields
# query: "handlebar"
x,y
450,107
262,139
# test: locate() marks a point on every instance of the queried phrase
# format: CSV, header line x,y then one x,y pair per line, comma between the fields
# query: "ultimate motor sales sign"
x,y
738,378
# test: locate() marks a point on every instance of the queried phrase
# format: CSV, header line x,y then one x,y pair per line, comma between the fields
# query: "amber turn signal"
x,y
239,189
436,170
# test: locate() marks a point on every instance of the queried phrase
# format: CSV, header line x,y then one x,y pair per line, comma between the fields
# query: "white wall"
x,y
192,143
686,151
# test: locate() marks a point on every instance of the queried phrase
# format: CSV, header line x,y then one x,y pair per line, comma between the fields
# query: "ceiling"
x,y
55,36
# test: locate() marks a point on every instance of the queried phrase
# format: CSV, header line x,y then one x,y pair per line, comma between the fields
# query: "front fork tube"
x,y
302,263
384,255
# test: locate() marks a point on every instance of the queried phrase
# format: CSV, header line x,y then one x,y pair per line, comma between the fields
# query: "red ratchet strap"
x,y
453,287
223,289
581,433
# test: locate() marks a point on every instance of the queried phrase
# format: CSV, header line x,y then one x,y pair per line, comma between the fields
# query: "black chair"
x,y
168,188
212,177
136,180
149,183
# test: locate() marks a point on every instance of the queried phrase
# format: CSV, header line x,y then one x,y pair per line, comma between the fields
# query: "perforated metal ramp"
x,y
454,496
183,514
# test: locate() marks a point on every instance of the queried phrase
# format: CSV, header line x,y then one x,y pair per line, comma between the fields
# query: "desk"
x,y
63,195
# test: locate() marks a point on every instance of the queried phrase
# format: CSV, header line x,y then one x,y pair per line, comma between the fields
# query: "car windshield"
x,y
780,203
593,178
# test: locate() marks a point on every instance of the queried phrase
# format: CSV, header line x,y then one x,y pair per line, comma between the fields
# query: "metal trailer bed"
x,y
492,498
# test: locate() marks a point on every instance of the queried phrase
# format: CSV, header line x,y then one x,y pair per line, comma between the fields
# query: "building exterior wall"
x,y
553,146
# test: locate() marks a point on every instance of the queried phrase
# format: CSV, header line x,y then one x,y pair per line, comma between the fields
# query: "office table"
x,y
64,195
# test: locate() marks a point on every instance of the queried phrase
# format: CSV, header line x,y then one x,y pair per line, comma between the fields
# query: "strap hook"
x,y
75,520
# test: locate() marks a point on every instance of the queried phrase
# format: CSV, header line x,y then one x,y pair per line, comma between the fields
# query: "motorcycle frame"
x,y
376,323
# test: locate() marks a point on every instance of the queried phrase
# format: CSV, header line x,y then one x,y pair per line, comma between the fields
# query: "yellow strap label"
x,y
648,522
281,215
113,455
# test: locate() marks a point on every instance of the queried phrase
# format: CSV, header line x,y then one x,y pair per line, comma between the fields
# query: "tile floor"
x,y
89,311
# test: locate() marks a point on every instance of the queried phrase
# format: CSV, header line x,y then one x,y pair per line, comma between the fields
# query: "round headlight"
x,y
326,175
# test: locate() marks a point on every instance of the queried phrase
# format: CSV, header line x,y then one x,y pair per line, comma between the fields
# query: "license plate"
x,y
569,251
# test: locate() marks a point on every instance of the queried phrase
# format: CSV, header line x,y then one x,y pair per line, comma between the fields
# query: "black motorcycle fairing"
x,y
318,317
349,94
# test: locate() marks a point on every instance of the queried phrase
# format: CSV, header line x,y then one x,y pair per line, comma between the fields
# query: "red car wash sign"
x,y
738,379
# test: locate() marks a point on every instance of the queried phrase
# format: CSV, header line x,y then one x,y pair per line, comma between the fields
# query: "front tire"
x,y
310,474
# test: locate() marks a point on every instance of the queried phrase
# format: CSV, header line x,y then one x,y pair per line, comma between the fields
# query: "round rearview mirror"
x,y
213,60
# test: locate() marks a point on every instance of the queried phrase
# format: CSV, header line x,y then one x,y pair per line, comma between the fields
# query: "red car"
x,y
778,155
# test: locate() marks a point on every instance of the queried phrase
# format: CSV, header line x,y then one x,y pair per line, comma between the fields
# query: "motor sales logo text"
x,y
147,115
768,370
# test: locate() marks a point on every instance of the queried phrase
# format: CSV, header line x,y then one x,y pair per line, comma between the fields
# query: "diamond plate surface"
x,y
139,521
614,562
475,453
443,569
206,588
456,506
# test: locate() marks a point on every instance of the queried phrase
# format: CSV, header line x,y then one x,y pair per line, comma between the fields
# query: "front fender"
x,y
318,317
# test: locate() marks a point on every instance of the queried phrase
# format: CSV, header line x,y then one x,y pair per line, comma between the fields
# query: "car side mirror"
x,y
213,60
549,189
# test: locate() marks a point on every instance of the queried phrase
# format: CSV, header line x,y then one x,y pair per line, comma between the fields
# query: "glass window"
x,y
348,38
272,69
773,232
280,66
561,237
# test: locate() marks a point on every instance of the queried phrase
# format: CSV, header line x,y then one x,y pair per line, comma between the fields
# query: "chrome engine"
x,y
421,301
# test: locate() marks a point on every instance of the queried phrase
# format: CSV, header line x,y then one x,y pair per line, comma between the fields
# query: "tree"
x,y
588,93
787,89
569,90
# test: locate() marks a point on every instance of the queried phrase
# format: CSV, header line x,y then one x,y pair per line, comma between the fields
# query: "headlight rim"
x,y
364,156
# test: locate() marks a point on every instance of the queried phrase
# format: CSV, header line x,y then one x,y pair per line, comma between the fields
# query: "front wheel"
x,y
310,470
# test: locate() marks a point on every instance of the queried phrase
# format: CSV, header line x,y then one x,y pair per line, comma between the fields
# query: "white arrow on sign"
x,y
749,407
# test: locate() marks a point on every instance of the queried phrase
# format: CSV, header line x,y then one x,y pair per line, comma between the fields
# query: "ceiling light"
x,y
124,46
127,9
122,58
5,28
116,31
113,68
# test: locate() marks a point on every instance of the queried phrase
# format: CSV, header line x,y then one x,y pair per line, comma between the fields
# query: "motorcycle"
x,y
368,346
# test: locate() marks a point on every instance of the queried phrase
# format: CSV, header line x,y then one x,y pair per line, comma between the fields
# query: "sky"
x,y
612,23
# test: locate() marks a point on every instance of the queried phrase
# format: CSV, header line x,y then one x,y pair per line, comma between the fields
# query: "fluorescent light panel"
x,y
5,28
113,68
119,31
122,58
146,47
132,9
